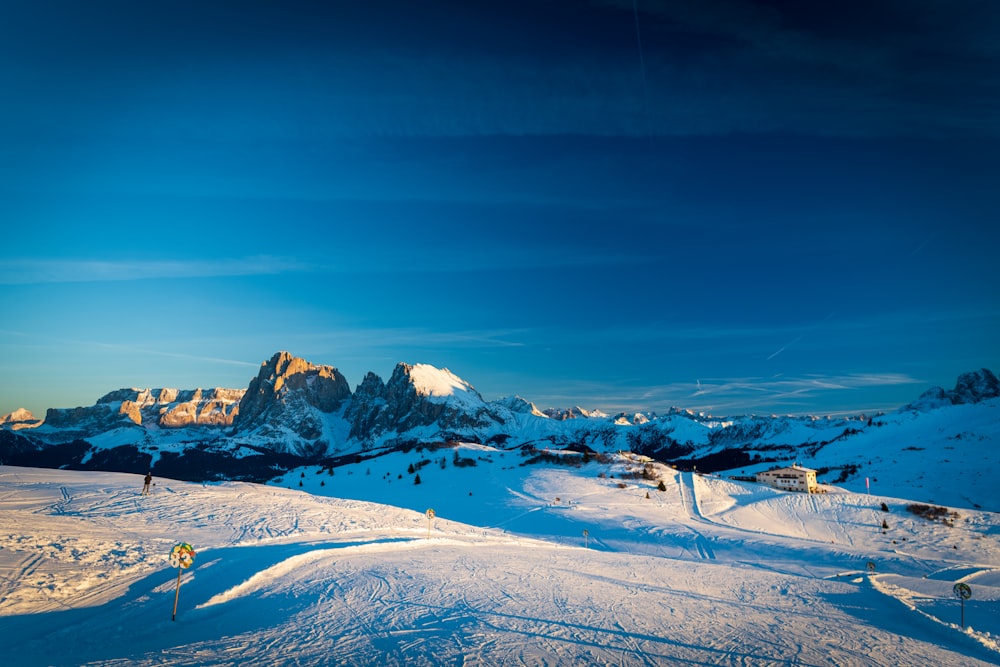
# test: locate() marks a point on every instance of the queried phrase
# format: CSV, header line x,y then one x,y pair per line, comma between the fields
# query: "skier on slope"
x,y
147,481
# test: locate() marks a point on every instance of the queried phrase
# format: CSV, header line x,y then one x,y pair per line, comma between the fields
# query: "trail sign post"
x,y
181,557
430,517
963,593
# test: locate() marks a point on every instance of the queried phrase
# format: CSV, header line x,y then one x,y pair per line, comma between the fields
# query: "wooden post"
x,y
177,594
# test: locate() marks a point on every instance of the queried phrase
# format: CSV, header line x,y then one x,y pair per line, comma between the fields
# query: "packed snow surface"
x,y
553,562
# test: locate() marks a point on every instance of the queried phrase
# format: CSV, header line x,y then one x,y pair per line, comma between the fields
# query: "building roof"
x,y
796,467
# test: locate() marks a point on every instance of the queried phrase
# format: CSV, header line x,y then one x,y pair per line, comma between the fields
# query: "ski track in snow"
x,y
708,572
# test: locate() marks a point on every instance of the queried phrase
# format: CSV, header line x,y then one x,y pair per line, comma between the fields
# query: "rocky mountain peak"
x,y
287,394
18,419
561,414
416,395
19,415
519,405
371,387
976,386
971,387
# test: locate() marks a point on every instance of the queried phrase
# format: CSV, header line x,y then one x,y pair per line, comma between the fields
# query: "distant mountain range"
x,y
295,412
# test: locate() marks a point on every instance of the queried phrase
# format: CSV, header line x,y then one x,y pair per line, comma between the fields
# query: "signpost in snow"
x,y
430,517
963,593
181,557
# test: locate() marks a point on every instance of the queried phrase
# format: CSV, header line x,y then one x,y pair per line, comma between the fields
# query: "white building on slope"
x,y
792,478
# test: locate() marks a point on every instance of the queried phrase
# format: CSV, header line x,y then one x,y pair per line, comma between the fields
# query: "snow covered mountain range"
x,y
295,412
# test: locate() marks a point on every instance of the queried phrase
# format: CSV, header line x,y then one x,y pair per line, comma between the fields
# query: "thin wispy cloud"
x,y
41,271
349,339
199,358
34,271
796,332
754,392
62,342
727,396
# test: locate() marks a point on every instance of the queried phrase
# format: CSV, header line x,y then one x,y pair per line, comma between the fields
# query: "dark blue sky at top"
x,y
728,206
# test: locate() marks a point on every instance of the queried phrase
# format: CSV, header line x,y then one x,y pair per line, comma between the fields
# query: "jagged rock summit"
x,y
976,386
416,396
291,396
972,387
309,406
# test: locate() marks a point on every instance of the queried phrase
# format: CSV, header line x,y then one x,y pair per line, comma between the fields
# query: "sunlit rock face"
x,y
216,407
132,407
292,396
18,419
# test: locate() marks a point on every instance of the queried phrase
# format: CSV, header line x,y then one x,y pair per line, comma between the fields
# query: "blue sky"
x,y
727,206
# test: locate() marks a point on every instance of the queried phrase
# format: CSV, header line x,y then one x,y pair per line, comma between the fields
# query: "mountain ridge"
x,y
295,412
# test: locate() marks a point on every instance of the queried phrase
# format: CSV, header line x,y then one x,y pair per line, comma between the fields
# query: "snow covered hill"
x,y
530,559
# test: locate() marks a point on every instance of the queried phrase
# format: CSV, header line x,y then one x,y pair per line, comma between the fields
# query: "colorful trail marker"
x,y
181,557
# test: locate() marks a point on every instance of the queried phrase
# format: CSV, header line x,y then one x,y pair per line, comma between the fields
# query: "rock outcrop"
x,y
972,387
217,407
166,408
975,387
416,396
518,405
19,419
293,396
367,413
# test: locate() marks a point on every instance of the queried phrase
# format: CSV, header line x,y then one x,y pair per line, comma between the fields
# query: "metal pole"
x,y
177,594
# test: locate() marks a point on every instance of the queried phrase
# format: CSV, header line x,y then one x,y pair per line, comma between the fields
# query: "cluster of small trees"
x,y
648,472
933,513
462,462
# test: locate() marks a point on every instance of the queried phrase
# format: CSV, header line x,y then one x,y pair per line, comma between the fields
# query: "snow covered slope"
x,y
561,563
946,455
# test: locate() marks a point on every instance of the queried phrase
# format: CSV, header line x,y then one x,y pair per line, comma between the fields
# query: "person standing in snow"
x,y
147,482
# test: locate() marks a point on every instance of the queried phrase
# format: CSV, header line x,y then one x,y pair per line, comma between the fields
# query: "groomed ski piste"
x,y
523,563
